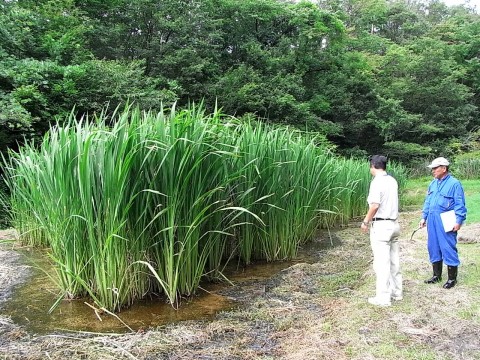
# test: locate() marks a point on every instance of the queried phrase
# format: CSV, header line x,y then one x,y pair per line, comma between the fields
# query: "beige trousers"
x,y
386,259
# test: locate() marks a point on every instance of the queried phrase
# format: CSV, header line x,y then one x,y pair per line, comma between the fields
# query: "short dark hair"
x,y
378,161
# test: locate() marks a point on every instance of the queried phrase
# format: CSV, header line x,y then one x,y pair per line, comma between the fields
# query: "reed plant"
x,y
467,166
185,197
144,203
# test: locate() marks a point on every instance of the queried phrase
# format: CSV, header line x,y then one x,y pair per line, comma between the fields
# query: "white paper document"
x,y
449,220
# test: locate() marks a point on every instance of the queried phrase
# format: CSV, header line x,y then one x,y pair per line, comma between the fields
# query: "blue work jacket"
x,y
445,195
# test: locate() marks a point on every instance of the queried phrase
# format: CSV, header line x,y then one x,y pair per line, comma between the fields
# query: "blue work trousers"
x,y
442,246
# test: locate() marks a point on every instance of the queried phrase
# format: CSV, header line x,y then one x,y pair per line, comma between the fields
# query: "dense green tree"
x,y
46,70
421,89
272,55
373,75
428,82
177,40
462,32
47,30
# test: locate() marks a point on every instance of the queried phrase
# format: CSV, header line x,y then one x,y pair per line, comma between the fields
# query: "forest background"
x,y
374,76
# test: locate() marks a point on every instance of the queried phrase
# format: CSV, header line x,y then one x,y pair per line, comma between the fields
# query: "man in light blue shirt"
x,y
444,193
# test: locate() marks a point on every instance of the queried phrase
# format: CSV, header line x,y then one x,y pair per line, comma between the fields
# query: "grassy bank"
x,y
415,190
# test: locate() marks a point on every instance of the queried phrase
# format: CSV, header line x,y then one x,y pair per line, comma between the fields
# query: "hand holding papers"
x,y
449,220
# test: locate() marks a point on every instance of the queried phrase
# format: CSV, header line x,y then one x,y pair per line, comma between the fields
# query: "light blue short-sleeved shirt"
x,y
384,191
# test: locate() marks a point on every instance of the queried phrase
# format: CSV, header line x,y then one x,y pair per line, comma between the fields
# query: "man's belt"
x,y
383,219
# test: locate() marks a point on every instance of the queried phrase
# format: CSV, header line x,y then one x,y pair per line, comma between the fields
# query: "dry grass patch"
x,y
425,325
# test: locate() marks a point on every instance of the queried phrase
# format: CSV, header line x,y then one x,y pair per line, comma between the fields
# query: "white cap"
x,y
440,161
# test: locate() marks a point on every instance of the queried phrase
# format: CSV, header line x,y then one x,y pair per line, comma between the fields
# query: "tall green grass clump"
x,y
145,203
272,166
294,186
467,166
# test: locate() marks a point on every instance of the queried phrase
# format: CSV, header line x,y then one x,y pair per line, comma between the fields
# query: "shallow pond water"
x,y
29,306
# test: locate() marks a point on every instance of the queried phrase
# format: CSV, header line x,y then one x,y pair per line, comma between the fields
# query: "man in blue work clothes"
x,y
444,193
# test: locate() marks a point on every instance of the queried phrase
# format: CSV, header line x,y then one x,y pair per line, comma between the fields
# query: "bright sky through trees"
x,y
475,3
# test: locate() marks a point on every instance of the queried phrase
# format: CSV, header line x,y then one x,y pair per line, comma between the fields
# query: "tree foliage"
x,y
401,77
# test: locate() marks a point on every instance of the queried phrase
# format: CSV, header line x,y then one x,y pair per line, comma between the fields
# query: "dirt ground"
x,y
307,311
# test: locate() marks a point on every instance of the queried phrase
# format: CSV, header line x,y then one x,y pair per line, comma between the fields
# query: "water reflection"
x,y
31,301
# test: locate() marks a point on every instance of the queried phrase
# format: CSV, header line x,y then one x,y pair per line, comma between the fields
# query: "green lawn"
x,y
472,196
413,195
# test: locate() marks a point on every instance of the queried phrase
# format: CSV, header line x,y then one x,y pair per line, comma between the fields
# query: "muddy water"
x,y
30,303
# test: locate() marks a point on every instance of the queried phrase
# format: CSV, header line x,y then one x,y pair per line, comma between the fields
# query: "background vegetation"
x,y
397,77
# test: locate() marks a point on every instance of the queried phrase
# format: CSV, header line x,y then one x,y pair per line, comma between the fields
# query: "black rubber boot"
x,y
452,277
437,273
